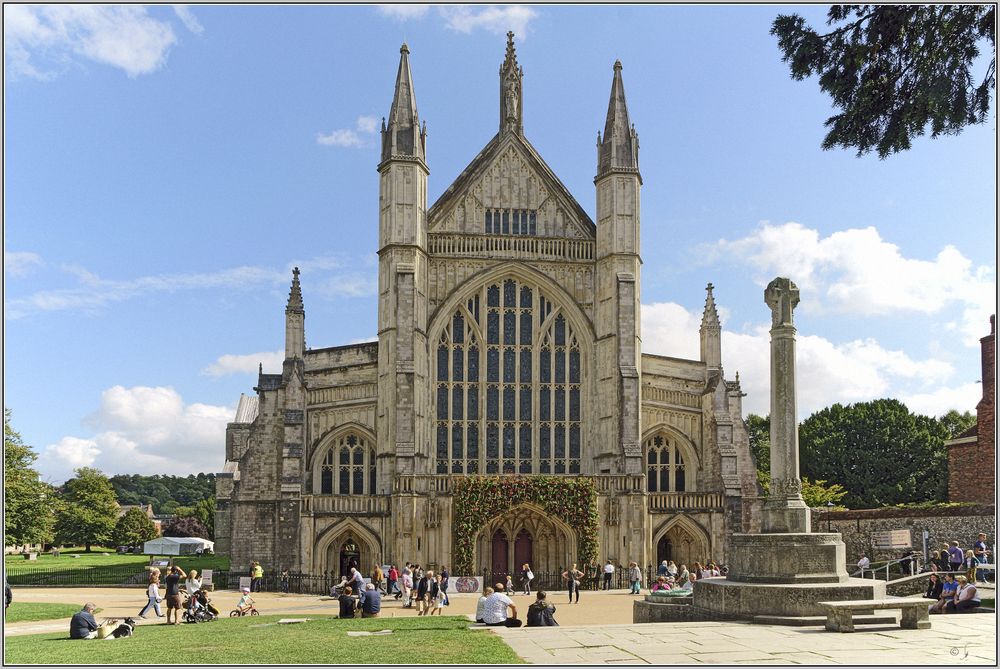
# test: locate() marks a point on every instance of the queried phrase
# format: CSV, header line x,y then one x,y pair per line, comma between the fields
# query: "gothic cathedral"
x,y
509,345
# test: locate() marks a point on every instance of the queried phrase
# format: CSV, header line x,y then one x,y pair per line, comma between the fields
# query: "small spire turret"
x,y
295,321
295,295
711,333
402,135
619,150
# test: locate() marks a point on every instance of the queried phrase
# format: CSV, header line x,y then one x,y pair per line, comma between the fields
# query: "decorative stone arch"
x,y
554,542
516,270
690,540
329,440
687,448
328,543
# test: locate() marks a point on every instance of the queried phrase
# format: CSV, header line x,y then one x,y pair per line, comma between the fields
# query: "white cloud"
x,y
855,271
826,372
360,136
941,400
494,19
143,430
188,18
403,12
20,263
122,36
246,364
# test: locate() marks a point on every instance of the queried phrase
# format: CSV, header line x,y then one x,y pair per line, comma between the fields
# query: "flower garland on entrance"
x,y
479,499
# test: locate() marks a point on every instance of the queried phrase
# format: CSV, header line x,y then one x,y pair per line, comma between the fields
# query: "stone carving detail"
x,y
433,514
782,296
786,488
613,515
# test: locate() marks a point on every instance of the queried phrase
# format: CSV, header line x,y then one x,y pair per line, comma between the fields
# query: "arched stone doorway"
x,y
525,534
682,541
344,545
350,556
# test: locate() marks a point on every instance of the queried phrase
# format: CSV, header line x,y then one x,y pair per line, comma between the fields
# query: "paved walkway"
x,y
586,637
958,639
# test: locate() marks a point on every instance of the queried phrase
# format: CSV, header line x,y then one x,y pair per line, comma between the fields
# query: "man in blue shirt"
x,y
83,625
371,602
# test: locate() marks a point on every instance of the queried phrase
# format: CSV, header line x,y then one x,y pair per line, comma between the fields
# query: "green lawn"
x,y
322,640
20,612
76,559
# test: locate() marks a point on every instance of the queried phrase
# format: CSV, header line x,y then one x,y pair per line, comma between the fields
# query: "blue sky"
x,y
166,167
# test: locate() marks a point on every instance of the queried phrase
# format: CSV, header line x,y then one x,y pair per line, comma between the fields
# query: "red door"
x,y
499,556
522,550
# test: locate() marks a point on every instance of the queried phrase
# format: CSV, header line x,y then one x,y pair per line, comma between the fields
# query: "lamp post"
x,y
829,508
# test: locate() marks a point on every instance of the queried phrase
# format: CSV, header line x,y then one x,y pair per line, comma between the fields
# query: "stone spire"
x,y
403,137
711,333
619,149
511,100
295,320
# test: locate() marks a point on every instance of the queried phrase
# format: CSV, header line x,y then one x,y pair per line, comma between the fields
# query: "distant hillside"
x,y
165,493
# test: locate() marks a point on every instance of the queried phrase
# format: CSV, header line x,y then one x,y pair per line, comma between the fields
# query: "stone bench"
x,y
840,615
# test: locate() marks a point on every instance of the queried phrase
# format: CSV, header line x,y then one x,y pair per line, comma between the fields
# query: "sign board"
x,y
244,582
889,539
206,577
466,584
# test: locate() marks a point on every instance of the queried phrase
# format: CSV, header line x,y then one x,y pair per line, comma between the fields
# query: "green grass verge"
x,y
322,640
66,562
21,612
988,603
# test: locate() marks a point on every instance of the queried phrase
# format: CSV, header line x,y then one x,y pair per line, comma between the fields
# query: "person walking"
x,y
609,571
445,582
377,577
284,580
526,577
256,576
391,583
407,587
979,551
423,585
153,593
572,577
955,557
634,577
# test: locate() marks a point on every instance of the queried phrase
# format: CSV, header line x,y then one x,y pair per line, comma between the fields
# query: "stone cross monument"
x,y
785,511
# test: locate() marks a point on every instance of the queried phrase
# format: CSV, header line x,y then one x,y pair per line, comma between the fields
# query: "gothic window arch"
x,y
666,469
348,468
508,382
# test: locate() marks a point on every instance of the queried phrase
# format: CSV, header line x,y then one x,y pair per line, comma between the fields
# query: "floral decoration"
x,y
480,499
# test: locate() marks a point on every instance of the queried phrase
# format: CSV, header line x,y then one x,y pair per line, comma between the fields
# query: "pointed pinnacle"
x,y
710,317
295,294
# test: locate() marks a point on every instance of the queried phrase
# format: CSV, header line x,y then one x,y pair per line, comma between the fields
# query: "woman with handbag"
x,y
153,592
526,577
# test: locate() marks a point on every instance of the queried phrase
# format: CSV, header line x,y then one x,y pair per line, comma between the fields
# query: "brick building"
x,y
972,455
508,344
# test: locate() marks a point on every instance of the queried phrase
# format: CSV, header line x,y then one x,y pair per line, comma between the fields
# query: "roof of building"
x,y
247,409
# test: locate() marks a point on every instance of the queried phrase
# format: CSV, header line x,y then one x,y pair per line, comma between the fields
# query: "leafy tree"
x,y
879,451
28,510
894,70
134,528
956,423
185,527
165,493
815,493
89,510
759,431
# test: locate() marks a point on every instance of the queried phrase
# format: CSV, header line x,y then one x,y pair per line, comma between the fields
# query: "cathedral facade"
x,y
509,345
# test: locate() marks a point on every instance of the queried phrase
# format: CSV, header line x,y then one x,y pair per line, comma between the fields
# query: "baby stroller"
x,y
200,610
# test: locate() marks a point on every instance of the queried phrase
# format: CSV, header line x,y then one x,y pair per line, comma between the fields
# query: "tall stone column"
x,y
785,511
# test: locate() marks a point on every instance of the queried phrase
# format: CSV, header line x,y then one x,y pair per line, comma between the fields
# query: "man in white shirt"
x,y
495,609
863,564
609,570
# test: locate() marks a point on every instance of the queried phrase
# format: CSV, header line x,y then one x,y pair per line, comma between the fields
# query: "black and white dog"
x,y
126,628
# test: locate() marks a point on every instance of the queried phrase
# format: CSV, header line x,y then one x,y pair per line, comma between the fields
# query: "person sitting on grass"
x,y
541,613
246,602
495,609
348,605
481,604
371,601
83,625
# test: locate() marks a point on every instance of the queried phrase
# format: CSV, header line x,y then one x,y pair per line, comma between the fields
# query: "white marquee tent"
x,y
176,546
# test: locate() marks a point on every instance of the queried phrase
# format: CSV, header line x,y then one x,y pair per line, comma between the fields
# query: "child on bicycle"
x,y
246,602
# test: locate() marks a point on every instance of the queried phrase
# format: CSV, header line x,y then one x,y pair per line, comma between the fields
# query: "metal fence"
x,y
114,575
553,581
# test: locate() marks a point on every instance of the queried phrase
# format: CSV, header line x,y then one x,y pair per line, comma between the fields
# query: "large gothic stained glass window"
x,y
508,381
348,468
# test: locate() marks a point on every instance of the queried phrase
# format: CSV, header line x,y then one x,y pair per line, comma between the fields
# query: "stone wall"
x,y
858,528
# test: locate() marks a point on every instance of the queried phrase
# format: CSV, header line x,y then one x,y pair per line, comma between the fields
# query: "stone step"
x,y
820,621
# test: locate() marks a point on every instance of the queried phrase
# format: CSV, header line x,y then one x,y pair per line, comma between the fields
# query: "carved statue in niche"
x,y
511,98
613,516
433,513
